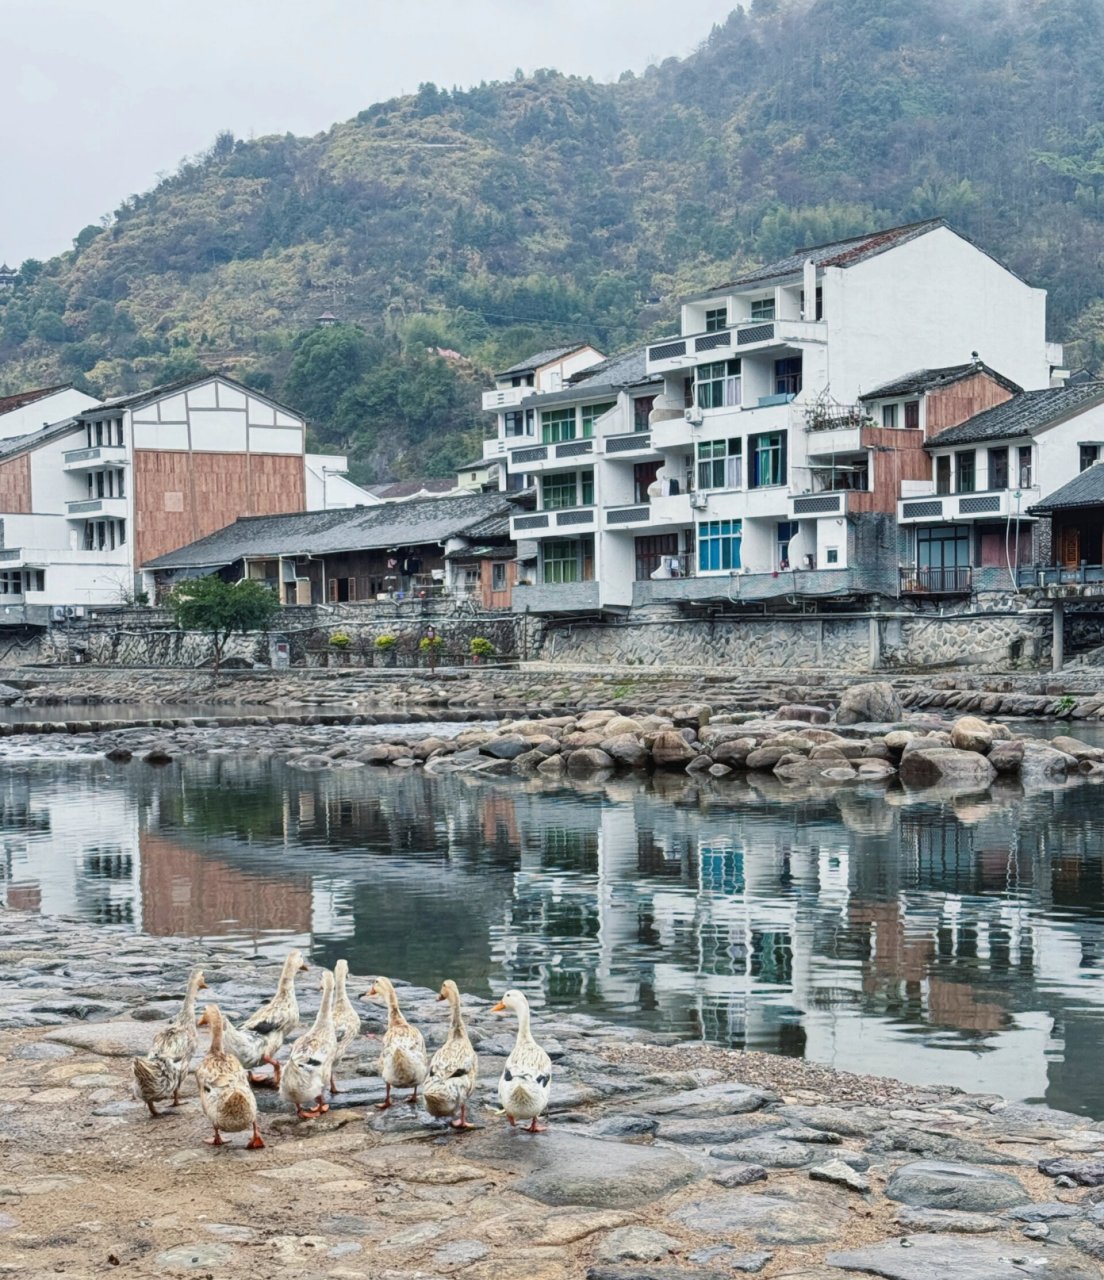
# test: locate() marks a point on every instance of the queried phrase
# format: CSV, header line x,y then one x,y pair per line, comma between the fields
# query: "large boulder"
x,y
670,750
588,760
945,767
506,748
1076,748
1042,761
874,703
799,711
968,733
935,1184
1007,757
768,755
732,751
595,719
693,715
621,724
626,749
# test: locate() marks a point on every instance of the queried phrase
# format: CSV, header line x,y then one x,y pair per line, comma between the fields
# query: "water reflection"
x,y
954,940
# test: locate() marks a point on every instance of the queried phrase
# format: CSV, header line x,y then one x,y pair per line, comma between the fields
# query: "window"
x,y
998,468
944,551
819,304
498,576
763,308
567,560
122,533
659,551
965,471
787,376
100,487
38,578
559,491
642,410
785,531
912,415
513,423
767,456
889,415
586,488
719,545
1090,453
591,414
716,318
11,583
831,555
557,425
943,473
720,464
1023,460
718,384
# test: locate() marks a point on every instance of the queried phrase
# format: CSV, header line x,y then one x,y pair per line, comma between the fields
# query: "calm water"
x,y
958,941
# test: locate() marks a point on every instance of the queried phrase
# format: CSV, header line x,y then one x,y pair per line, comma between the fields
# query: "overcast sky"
x,y
100,96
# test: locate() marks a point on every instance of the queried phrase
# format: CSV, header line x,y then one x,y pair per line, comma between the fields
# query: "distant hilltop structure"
x,y
8,277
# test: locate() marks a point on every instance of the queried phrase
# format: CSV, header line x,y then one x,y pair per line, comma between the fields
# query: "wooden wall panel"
x,y
15,485
897,455
952,405
181,496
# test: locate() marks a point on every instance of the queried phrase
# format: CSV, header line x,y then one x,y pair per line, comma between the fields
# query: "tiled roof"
x,y
538,361
626,370
922,380
839,253
23,398
410,488
1023,415
394,524
20,444
1085,490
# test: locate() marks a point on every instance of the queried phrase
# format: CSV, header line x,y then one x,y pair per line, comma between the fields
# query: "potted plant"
x,y
480,648
431,646
385,649
339,643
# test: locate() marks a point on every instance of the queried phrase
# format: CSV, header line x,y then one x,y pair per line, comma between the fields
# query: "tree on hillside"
x,y
326,364
220,608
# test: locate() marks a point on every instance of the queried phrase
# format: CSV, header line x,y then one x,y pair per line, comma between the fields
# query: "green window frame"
x,y
763,308
720,464
767,458
559,490
718,385
560,561
716,319
557,425
591,413
719,545
586,487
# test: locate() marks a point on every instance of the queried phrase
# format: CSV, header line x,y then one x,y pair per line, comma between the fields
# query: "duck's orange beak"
x,y
499,1008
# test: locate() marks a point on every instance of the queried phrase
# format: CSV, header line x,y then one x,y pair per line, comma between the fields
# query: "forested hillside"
x,y
497,219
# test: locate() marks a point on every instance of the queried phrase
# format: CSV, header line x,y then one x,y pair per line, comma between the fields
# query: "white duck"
x,y
454,1068
307,1070
223,1084
160,1074
527,1077
346,1018
273,1022
402,1063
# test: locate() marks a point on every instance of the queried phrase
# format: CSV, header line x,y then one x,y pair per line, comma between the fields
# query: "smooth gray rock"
x,y
950,1257
945,767
770,1151
1048,1211
711,1100
947,1220
934,1184
459,1253
770,1219
1086,1173
732,1258
740,1175
874,703
841,1174
636,1244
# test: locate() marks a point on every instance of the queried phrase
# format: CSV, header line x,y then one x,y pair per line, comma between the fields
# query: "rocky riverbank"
x,y
662,1161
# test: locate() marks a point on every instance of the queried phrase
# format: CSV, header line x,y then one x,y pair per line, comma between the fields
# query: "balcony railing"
x,y
957,581
1059,575
836,417
659,567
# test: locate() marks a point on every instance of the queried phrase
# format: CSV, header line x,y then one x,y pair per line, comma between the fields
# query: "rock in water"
x,y
875,703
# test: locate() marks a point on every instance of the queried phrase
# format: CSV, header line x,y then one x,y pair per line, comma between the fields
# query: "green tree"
x,y
221,608
327,362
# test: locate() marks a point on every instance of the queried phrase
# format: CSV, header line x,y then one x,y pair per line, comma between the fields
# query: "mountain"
x,y
491,221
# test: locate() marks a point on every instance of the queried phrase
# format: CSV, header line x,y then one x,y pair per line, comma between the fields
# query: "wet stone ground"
x,y
662,1161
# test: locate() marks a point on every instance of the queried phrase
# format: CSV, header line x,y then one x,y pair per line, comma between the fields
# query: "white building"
x,y
32,410
86,501
736,460
329,487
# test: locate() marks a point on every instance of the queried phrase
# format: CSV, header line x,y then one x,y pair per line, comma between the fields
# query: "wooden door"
x,y
1069,546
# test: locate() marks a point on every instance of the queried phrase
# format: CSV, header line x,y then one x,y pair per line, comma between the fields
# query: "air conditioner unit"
x,y
70,611
57,613
693,415
699,501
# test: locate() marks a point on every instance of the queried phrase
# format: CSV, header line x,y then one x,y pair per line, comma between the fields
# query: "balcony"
x,y
750,588
101,455
637,516
1063,582
996,504
93,508
505,397
556,597
957,581
807,506
683,351
629,444
541,457
561,522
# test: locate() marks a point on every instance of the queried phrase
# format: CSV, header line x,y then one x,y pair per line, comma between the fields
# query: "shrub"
x,y
481,647
431,644
340,640
386,643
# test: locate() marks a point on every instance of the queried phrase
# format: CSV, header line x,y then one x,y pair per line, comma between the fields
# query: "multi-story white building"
x,y
86,501
739,459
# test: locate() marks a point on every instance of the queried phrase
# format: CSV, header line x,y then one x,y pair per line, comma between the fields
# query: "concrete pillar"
x,y
1058,640
875,644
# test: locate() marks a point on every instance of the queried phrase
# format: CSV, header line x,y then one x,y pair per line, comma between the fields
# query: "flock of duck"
x,y
227,1074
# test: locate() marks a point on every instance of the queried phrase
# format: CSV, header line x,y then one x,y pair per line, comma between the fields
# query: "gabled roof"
x,y
392,489
838,253
626,370
1085,490
136,399
420,522
33,439
921,380
532,363
1024,415
23,398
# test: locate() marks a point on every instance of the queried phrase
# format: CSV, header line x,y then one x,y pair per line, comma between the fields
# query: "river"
x,y
953,941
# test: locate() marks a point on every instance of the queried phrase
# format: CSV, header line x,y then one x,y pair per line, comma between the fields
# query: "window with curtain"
x,y
719,545
767,456
889,415
720,464
560,491
560,560
557,425
787,376
1023,461
718,385
590,415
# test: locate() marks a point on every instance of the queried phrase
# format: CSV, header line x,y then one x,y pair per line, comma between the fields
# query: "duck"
x,y
402,1062
527,1077
273,1022
160,1074
223,1084
310,1061
454,1068
346,1018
